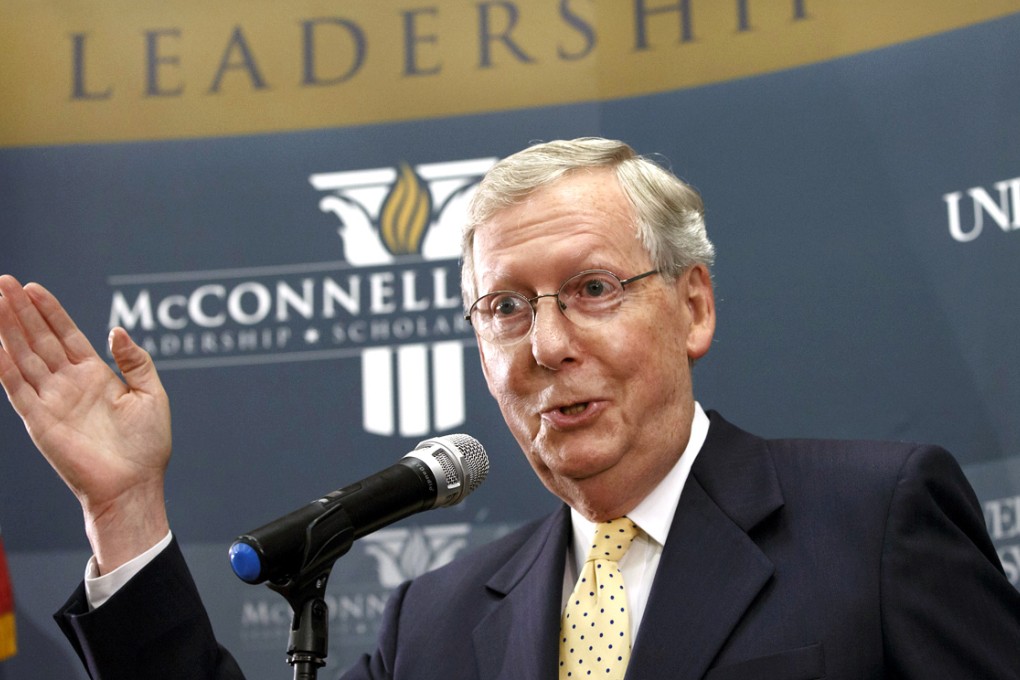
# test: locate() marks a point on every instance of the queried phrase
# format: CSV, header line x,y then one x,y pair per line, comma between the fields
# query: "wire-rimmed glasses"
x,y
588,298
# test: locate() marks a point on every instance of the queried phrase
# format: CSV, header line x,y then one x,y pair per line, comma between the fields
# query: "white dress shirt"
x,y
99,589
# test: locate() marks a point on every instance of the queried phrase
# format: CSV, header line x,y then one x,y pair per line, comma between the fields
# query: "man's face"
x,y
601,413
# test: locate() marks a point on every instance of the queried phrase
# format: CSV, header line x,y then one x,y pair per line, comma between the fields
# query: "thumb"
x,y
134,363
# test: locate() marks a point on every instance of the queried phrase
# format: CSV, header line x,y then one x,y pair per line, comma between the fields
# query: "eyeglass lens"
x,y
587,299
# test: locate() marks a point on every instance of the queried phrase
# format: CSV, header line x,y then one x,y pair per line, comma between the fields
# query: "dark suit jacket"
x,y
787,560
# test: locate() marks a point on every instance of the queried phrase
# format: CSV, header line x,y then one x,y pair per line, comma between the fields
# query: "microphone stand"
x,y
308,643
328,538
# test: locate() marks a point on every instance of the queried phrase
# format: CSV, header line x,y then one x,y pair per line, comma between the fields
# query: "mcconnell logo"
x,y
393,301
403,554
386,215
1002,516
357,601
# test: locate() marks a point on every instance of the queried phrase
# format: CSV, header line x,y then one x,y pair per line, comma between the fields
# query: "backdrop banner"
x,y
268,196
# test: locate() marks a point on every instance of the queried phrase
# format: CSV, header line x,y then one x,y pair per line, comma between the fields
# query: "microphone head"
x,y
457,461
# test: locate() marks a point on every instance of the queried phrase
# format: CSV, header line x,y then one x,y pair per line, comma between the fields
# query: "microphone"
x,y
441,471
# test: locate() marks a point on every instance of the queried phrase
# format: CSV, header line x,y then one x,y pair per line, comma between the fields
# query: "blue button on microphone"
x,y
245,562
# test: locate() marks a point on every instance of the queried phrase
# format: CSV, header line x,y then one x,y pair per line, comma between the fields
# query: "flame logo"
x,y
405,213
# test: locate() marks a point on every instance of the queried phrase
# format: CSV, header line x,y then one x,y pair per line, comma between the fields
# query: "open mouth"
x,y
574,409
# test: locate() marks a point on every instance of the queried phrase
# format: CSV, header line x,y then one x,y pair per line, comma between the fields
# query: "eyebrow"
x,y
514,287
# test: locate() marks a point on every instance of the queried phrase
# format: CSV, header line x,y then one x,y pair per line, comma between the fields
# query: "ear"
x,y
701,306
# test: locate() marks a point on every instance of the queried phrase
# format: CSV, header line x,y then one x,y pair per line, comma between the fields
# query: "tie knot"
x,y
612,539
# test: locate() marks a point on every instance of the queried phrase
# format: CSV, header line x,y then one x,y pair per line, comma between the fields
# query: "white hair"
x,y
670,213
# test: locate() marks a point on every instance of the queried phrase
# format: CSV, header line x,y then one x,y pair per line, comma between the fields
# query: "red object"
x,y
8,641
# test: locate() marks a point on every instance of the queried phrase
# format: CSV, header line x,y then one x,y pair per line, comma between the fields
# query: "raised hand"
x,y
107,438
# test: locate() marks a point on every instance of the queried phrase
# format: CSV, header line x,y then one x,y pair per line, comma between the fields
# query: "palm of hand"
x,y
101,436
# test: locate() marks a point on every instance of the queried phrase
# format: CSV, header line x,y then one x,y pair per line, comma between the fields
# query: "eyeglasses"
x,y
505,317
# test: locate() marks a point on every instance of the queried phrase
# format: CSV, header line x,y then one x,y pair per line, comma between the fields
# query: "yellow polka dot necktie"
x,y
595,630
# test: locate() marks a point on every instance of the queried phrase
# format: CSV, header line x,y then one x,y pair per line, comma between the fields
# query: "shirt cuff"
x,y
99,589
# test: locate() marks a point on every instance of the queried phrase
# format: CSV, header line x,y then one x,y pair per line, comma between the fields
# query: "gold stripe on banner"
x,y
118,70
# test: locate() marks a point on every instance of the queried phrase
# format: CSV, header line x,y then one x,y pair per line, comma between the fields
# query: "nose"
x,y
534,301
552,336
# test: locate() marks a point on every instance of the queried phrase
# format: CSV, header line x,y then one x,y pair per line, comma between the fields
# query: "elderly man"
x,y
685,548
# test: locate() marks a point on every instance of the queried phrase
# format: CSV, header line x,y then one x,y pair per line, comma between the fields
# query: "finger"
x,y
135,363
76,346
30,366
19,392
37,336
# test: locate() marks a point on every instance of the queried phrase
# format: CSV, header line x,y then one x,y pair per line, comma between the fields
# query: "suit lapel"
x,y
710,570
709,573
518,639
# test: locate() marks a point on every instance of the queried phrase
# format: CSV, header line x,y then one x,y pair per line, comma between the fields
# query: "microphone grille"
x,y
457,463
476,463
